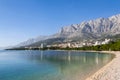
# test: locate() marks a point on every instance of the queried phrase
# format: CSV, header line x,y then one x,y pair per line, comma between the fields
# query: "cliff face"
x,y
98,27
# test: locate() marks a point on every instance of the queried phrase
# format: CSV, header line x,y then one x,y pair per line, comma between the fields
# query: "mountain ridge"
x,y
92,29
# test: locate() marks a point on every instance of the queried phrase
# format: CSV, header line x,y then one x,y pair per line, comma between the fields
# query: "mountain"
x,y
32,40
93,29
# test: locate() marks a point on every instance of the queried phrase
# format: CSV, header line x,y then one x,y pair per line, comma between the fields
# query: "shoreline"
x,y
110,71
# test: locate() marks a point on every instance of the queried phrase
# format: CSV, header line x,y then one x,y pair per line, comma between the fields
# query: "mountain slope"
x,y
93,29
97,28
32,40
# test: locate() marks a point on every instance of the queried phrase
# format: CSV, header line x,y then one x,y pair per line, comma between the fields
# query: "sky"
x,y
24,19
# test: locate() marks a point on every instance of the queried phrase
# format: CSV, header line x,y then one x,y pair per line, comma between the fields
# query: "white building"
x,y
41,46
97,43
106,41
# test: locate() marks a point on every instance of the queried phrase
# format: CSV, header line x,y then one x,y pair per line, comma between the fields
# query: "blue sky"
x,y
24,19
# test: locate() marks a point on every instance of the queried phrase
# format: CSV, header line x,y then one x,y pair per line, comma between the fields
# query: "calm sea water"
x,y
50,65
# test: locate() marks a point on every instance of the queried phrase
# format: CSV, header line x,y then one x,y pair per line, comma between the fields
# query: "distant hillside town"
x,y
80,44
73,44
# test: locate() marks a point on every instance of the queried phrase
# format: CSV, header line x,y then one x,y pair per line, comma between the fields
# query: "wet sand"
x,y
111,71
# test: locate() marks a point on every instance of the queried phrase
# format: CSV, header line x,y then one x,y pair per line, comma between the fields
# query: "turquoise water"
x,y
50,65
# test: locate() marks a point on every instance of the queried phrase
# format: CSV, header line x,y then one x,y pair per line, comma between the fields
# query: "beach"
x,y
111,71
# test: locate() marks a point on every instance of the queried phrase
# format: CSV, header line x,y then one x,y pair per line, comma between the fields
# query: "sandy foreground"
x,y
109,72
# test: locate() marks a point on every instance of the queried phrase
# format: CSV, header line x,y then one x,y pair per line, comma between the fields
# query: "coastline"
x,y
110,71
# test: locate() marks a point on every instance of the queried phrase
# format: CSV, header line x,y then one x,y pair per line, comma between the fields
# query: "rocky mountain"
x,y
96,28
93,29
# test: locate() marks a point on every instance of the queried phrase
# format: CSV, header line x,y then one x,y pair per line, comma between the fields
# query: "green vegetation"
x,y
112,46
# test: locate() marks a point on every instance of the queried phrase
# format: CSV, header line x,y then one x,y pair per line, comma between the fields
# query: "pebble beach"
x,y
111,71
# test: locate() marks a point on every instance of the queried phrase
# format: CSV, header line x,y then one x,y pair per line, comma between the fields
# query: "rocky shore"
x,y
109,72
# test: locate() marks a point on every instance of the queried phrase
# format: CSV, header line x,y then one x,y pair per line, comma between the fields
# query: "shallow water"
x,y
50,65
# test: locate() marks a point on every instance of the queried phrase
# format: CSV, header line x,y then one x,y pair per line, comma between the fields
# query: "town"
x,y
77,44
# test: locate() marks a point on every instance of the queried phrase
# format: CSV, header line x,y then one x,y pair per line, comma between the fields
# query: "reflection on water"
x,y
50,65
